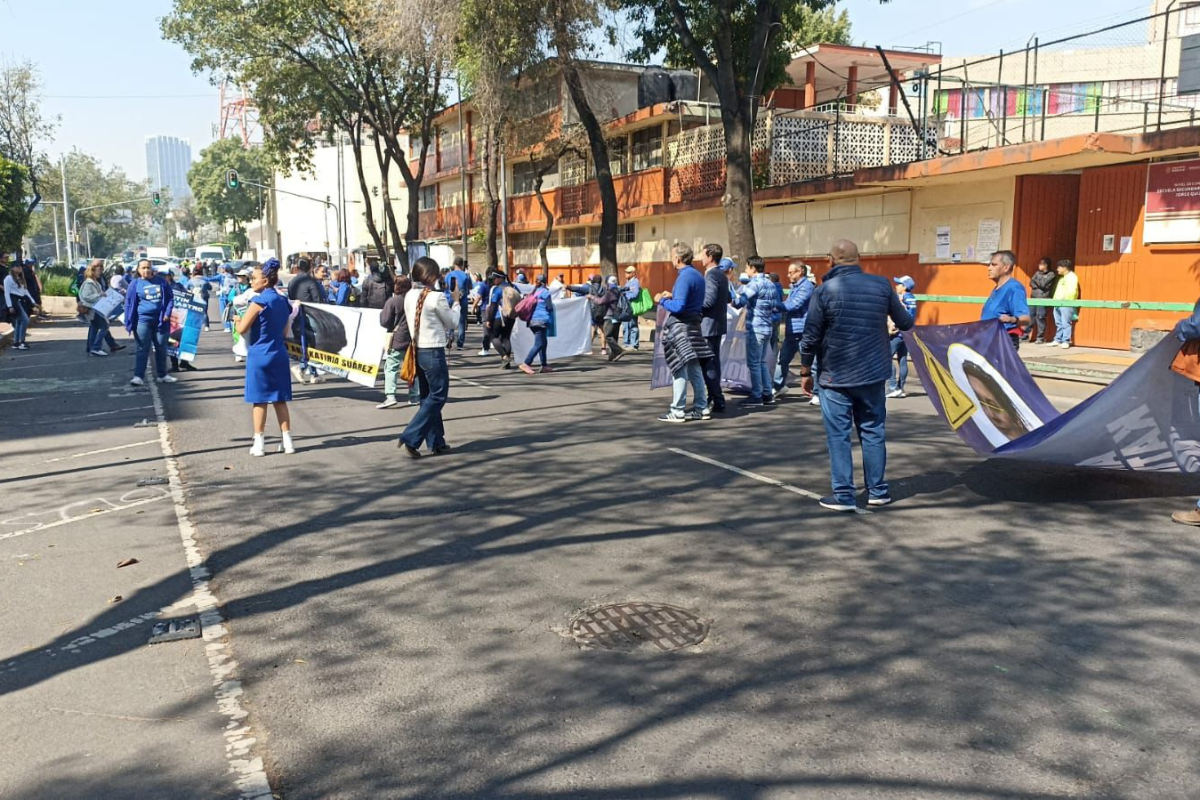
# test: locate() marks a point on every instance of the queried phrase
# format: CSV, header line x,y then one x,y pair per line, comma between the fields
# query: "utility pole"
x,y
503,210
62,164
462,167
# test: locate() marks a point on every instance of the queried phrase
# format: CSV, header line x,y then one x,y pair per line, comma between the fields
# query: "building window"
x,y
593,236
625,233
428,201
647,149
525,176
573,169
531,240
575,237
618,155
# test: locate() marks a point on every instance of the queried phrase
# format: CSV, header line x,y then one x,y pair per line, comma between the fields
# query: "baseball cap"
x,y
244,271
906,282
612,280
743,278
630,270
725,264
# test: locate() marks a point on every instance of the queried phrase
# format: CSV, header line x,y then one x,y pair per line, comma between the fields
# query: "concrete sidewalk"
x,y
1085,364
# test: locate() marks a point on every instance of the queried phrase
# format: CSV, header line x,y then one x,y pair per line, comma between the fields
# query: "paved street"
x,y
399,628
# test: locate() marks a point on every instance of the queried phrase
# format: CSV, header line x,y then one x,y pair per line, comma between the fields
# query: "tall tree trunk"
x,y
599,148
384,154
491,150
412,182
548,231
738,200
356,133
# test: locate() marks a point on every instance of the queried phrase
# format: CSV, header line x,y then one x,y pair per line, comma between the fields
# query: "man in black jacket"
x,y
305,288
1041,284
714,322
846,332
376,289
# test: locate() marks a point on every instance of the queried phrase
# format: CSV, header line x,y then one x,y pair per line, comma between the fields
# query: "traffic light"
x,y
157,199
231,179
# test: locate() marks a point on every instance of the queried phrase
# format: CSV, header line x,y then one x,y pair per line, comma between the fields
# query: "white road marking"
x,y
98,452
469,382
240,744
65,520
117,411
756,476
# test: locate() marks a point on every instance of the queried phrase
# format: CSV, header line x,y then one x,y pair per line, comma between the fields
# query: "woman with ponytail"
x,y
268,379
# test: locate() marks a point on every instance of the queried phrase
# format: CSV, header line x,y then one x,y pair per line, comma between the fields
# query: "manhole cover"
x,y
623,626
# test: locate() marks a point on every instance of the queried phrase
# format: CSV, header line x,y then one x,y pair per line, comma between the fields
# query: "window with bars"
x,y
531,240
428,199
626,233
525,177
593,236
573,170
618,155
646,149
575,237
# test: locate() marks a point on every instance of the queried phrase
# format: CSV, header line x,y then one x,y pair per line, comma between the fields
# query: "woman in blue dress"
x,y
268,379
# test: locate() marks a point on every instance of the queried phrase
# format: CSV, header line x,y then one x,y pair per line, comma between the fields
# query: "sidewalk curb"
x,y
1077,374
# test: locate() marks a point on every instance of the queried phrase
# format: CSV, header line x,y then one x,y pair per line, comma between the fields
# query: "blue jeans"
x,y
756,362
791,346
19,318
98,333
433,376
540,342
631,334
899,354
462,323
1063,324
691,373
149,334
863,408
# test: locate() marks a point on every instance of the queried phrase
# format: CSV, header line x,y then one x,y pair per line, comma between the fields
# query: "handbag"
x,y
1187,360
408,369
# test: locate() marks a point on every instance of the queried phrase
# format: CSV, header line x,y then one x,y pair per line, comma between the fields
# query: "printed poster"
x,y
187,320
339,340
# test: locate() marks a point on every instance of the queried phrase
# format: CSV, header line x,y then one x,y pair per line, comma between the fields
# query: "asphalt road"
x,y
1004,630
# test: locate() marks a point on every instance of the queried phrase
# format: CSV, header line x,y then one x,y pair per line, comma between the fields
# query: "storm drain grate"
x,y
624,626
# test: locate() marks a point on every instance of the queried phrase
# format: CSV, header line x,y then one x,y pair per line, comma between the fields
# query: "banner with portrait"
x,y
343,341
1146,420
187,320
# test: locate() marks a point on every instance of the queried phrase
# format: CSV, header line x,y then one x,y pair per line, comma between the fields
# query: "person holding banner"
x,y
268,379
428,317
91,291
539,325
1007,301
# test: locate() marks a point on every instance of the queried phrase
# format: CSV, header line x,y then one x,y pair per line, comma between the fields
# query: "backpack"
x,y
353,296
526,307
623,310
643,303
598,312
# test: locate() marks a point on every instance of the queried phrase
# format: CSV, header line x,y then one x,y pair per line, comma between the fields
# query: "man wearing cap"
x,y
904,286
715,319
630,334
795,313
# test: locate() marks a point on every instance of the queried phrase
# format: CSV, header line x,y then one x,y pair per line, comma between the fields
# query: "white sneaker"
x,y
816,401
388,403
483,352
780,392
98,352
136,381
1066,345
895,393
258,449
238,359
296,373
168,379
286,446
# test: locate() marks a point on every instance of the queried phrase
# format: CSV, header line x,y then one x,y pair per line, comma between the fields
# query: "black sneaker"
x,y
412,451
697,416
769,400
833,504
751,402
672,416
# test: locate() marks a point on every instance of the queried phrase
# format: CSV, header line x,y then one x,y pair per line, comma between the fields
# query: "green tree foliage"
x,y
207,177
23,129
92,183
12,205
742,48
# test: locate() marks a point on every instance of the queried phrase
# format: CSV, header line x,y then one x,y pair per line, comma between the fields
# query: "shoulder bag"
x,y
408,370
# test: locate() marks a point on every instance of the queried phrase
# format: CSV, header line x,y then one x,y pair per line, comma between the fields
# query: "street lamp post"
x,y
75,218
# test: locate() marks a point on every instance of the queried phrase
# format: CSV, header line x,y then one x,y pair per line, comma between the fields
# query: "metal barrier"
x,y
1119,305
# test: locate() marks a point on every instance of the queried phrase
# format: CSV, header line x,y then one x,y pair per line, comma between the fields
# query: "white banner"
x,y
111,305
572,331
340,340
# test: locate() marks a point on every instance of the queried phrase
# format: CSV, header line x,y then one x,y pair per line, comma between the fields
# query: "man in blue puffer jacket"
x,y
847,333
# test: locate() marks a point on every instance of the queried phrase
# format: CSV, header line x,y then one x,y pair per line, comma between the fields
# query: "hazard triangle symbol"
x,y
956,404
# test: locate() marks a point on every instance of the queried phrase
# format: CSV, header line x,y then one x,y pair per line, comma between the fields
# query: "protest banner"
x,y
187,320
339,340
1146,420
111,306
572,331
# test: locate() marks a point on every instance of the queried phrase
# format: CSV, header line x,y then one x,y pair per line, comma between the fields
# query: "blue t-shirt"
x,y
496,297
1008,299
910,305
150,298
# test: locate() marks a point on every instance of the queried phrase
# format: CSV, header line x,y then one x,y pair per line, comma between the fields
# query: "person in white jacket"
x,y
429,317
16,296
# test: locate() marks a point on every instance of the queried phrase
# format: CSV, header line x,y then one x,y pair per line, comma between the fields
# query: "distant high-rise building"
x,y
168,159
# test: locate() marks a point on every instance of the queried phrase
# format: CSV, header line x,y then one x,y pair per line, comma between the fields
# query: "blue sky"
x,y
113,80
